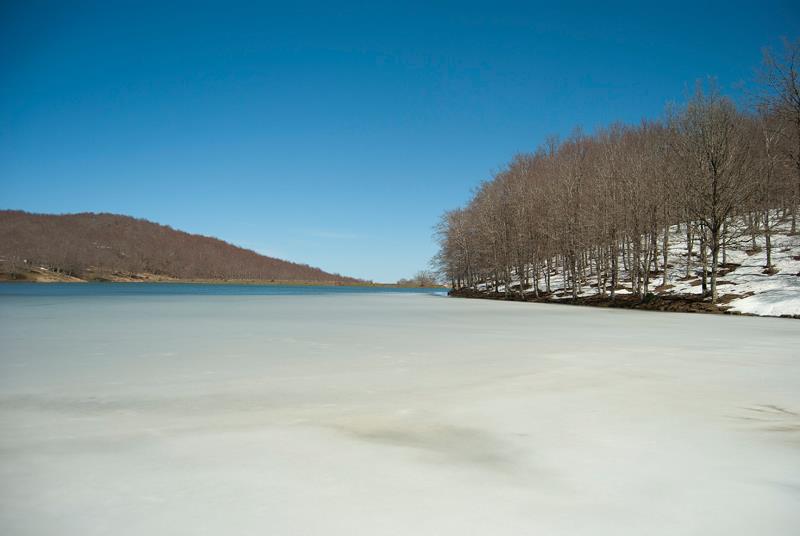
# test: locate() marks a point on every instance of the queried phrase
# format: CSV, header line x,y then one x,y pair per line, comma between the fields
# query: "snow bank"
x,y
775,302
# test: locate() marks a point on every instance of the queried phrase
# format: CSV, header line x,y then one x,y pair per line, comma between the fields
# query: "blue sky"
x,y
332,134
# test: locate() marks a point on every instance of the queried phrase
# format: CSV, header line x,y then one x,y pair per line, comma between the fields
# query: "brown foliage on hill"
x,y
77,243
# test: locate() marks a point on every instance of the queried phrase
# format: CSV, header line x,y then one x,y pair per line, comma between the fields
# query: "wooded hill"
x,y
99,246
602,205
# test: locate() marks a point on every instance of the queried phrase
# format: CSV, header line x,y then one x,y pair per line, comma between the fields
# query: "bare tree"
x,y
780,79
712,139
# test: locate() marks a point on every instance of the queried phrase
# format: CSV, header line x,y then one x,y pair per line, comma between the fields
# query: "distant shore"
x,y
46,276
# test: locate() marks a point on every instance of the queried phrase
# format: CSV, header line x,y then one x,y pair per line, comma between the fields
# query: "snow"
x,y
392,414
773,295
773,302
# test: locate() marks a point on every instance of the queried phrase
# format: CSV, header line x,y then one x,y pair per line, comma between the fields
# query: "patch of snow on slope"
x,y
776,302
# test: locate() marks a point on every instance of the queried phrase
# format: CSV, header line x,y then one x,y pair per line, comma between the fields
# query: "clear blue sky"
x,y
332,134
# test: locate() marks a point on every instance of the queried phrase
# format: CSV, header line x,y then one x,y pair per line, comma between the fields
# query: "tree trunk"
x,y
704,261
689,244
614,269
768,239
547,276
574,266
715,246
724,244
665,255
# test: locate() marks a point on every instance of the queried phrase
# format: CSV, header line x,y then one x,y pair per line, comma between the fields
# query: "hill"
x,y
91,246
748,286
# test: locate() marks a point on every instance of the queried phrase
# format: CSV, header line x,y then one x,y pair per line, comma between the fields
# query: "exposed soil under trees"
x,y
683,303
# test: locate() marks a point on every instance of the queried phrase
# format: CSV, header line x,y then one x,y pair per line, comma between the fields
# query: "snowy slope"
x,y
772,294
744,287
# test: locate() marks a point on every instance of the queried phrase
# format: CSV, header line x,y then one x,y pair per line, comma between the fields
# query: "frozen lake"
x,y
207,411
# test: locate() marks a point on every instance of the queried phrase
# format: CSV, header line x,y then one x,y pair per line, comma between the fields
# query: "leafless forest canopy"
x,y
79,243
597,204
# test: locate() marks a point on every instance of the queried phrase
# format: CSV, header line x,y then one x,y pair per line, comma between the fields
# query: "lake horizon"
x,y
24,288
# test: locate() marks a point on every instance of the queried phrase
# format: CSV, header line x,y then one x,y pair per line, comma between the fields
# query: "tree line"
x,y
603,204
422,279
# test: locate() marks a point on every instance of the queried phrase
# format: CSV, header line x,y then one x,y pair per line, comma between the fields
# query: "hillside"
x,y
746,286
111,247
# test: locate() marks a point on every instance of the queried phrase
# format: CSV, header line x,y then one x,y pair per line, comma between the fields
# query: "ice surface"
x,y
392,414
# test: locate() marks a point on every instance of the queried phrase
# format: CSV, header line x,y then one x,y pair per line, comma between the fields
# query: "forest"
x,y
718,171
97,245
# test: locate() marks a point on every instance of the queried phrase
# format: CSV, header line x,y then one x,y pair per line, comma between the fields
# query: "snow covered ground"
x,y
761,294
392,414
773,294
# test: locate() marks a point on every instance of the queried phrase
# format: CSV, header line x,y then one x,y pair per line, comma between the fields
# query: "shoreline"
x,y
248,282
680,303
50,278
